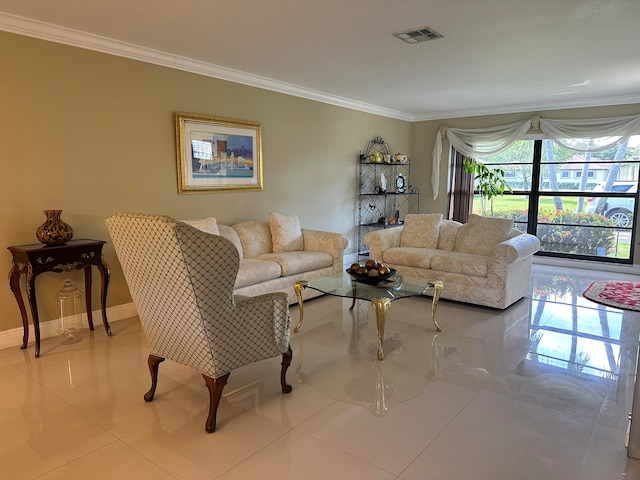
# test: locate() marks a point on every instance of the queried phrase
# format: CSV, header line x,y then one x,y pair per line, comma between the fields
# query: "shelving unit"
x,y
385,194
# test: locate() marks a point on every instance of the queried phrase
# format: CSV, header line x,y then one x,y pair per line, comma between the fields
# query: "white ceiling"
x,y
497,56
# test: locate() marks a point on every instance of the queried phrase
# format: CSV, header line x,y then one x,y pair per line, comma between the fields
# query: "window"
x,y
589,215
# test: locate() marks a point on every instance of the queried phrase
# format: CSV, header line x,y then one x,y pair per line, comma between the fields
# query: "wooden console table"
x,y
38,258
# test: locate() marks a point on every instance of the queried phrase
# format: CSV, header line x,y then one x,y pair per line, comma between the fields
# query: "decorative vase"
x,y
54,231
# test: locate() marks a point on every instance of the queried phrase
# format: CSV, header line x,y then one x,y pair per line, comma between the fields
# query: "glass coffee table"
x,y
380,295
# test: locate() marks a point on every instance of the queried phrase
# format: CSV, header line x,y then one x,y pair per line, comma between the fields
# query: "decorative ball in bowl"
x,y
371,272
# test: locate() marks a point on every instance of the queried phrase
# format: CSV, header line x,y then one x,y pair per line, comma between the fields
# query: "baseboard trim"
x,y
587,265
13,337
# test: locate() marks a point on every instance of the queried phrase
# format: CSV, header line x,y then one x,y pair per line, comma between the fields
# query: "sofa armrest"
x,y
380,240
329,242
516,248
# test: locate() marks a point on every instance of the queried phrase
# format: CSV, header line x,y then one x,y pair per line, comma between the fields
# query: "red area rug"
x,y
623,295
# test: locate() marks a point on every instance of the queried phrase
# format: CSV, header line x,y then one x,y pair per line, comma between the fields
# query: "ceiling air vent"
x,y
416,36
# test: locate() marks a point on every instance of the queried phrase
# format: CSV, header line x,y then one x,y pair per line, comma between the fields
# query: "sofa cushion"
x,y
480,235
448,233
461,263
421,230
292,263
255,238
231,235
254,271
209,224
286,234
410,256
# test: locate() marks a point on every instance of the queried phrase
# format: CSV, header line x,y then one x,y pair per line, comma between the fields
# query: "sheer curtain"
x,y
589,135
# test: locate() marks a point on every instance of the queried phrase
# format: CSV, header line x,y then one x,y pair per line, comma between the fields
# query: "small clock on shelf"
x,y
401,183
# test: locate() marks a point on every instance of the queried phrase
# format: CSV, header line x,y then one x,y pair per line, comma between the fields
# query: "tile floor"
x,y
539,391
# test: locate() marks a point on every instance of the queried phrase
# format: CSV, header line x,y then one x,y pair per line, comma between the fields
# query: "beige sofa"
x,y
276,254
483,262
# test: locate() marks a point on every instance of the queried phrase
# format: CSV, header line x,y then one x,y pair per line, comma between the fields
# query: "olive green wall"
x,y
93,134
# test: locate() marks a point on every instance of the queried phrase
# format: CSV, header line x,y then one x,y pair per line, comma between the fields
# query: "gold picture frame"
x,y
218,154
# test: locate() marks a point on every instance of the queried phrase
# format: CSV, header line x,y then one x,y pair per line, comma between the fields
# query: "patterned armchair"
x,y
181,281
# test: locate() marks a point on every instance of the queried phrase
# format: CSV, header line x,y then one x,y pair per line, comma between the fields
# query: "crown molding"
x,y
88,41
67,36
528,108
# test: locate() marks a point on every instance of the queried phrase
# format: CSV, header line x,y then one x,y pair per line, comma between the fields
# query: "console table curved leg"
x,y
31,295
104,285
381,305
437,286
87,295
14,284
298,287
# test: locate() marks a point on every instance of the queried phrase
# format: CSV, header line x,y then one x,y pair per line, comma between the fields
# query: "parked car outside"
x,y
618,209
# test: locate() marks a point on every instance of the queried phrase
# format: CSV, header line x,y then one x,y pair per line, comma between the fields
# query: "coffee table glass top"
x,y
393,288
380,295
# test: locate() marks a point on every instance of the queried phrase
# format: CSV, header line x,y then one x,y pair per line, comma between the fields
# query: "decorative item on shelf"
x,y
375,157
376,151
70,302
400,158
54,231
401,182
383,183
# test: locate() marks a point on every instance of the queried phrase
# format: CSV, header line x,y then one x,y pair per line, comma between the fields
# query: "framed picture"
x,y
217,154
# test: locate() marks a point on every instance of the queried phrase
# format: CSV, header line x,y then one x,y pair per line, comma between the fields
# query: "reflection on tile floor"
x,y
541,390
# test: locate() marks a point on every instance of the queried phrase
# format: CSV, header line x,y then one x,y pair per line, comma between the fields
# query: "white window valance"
x,y
588,135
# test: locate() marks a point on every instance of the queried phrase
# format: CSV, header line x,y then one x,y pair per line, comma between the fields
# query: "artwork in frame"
x,y
217,154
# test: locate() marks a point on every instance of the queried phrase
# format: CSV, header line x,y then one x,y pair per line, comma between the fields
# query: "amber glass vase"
x,y
54,231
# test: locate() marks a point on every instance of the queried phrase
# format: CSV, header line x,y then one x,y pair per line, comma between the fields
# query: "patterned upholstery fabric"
x,y
286,234
262,271
255,238
421,230
295,262
181,280
448,234
209,224
496,279
481,235
256,271
231,235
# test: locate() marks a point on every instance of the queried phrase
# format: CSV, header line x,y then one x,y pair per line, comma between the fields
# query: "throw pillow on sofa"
x,y
255,238
286,233
480,235
421,230
209,224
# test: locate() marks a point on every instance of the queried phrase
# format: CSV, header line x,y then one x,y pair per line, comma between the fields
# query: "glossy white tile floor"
x,y
539,391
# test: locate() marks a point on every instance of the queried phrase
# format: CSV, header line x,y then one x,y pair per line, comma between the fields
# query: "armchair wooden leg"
x,y
154,362
215,386
286,361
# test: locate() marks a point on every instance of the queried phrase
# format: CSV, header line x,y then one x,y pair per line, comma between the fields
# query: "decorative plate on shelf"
x,y
371,280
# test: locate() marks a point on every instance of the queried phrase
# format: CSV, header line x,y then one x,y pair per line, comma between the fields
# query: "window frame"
x,y
536,193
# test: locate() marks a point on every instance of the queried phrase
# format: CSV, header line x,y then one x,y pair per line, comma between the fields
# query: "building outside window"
x,y
580,205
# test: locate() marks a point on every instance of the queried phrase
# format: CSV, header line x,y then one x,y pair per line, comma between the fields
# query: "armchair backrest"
x,y
177,276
